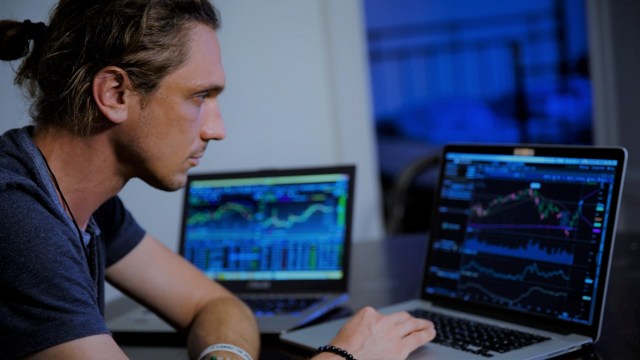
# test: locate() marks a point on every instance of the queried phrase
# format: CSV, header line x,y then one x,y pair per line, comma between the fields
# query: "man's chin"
x,y
172,184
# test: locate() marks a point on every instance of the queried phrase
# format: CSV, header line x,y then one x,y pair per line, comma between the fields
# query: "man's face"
x,y
168,134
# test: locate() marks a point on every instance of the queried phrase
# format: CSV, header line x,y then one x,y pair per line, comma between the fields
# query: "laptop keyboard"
x,y
271,306
474,337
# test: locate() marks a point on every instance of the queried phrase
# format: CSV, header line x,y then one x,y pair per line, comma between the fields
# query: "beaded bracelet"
x,y
335,350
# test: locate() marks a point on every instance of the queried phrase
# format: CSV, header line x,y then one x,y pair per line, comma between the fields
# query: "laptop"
x,y
279,239
520,246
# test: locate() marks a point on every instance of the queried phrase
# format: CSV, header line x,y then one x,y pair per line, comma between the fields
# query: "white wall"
x,y
297,95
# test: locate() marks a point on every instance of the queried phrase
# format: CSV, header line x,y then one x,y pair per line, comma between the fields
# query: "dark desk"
x,y
390,271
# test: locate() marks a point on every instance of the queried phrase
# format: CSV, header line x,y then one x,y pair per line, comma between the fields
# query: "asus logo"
x,y
259,285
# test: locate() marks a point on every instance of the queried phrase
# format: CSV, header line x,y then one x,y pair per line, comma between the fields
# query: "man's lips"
x,y
195,159
196,156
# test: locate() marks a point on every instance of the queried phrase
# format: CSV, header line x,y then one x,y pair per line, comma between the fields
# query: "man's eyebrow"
x,y
208,89
212,89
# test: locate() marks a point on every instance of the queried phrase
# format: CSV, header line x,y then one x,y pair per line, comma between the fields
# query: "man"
x,y
123,89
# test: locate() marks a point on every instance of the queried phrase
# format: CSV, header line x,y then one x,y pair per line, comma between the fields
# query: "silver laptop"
x,y
520,246
279,239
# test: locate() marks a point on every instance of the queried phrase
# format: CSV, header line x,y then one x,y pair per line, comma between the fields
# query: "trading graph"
x,y
305,216
523,239
530,250
520,283
532,271
271,230
517,296
237,214
557,210
522,236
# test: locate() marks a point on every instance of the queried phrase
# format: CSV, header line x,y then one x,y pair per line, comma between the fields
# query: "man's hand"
x,y
370,335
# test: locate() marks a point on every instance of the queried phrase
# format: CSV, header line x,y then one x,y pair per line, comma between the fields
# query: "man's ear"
x,y
112,93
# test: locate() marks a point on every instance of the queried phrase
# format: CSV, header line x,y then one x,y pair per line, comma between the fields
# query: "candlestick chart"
x,y
521,244
566,211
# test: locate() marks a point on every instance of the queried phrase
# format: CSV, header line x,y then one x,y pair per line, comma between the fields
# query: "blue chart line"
x,y
530,269
530,251
517,299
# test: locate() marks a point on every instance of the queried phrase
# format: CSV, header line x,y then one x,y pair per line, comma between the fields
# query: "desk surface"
x,y
390,271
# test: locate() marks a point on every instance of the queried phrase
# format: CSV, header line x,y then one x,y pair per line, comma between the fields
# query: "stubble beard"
x,y
137,165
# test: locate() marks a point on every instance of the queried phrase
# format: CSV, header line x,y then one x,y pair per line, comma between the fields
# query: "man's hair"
x,y
148,39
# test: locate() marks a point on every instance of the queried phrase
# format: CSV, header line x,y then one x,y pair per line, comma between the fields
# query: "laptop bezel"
x,y
335,286
548,323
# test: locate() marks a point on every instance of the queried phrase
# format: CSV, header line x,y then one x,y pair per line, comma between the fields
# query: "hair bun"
x,y
15,37
34,31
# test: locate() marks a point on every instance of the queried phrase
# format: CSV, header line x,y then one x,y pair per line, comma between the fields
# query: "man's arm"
x,y
96,347
183,296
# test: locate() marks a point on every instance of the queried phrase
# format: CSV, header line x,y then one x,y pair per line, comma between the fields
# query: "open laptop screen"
x,y
527,229
269,226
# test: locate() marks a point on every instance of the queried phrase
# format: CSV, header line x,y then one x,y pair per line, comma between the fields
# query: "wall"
x,y
297,95
615,57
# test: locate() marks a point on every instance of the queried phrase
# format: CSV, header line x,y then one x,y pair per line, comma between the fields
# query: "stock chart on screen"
x,y
522,232
273,228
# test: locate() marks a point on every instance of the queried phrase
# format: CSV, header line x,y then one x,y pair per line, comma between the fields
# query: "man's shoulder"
x,y
14,139
16,164
24,202
18,179
25,208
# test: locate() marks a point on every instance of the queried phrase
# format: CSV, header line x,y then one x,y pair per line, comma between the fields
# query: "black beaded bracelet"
x,y
335,350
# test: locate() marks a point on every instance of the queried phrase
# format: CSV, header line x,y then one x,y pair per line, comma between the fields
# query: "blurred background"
x,y
465,70
473,71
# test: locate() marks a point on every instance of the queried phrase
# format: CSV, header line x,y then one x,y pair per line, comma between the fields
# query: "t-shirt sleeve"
x,y
119,230
47,295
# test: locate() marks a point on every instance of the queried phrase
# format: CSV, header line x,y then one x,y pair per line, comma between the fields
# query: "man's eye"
x,y
203,95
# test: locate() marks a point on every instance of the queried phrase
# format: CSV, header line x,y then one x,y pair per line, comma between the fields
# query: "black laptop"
x,y
519,252
279,239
